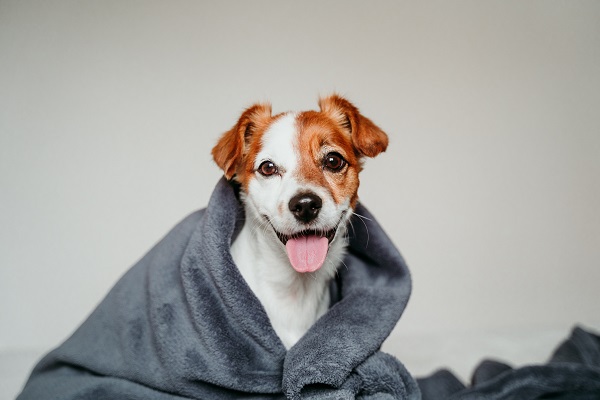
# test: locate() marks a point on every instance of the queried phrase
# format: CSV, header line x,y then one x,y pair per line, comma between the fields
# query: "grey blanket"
x,y
573,372
182,323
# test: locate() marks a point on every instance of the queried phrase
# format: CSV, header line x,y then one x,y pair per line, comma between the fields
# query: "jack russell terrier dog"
x,y
298,176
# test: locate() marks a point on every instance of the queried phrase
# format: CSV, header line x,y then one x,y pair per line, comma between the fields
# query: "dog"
x,y
298,174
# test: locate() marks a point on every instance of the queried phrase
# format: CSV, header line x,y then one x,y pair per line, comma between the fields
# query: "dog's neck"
x,y
293,301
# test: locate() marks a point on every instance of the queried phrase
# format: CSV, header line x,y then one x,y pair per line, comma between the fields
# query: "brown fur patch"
x,y
235,151
367,137
319,135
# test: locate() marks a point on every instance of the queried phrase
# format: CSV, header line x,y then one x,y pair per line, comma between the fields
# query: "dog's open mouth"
x,y
309,232
307,249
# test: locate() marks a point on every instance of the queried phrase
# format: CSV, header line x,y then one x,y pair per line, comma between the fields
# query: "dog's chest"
x,y
292,301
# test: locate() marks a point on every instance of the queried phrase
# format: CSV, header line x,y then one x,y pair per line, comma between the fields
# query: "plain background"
x,y
490,186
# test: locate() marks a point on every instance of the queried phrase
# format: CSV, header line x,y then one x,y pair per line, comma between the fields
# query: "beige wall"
x,y
490,187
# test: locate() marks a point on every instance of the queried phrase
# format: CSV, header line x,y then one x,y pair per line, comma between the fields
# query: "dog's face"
x,y
299,172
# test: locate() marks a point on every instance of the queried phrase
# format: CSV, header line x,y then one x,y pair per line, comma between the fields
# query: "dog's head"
x,y
299,171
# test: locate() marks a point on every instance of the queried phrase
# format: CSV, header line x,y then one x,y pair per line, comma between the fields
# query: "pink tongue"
x,y
307,253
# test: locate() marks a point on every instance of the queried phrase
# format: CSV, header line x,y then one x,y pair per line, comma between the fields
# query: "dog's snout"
x,y
305,206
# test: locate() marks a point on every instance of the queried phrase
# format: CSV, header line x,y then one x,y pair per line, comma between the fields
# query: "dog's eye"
x,y
334,162
267,168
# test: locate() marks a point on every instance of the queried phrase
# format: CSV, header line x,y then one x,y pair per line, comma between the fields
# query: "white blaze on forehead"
x,y
279,144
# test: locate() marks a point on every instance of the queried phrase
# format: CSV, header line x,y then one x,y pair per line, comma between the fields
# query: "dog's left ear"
x,y
368,139
232,147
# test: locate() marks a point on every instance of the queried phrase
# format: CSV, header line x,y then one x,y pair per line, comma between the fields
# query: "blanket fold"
x,y
573,372
183,324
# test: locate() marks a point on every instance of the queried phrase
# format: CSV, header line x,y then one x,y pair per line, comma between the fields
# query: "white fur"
x,y
293,301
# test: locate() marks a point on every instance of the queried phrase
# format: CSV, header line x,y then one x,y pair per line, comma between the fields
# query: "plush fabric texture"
x,y
183,324
573,372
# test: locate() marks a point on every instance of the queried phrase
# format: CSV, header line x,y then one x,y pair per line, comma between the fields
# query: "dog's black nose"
x,y
305,206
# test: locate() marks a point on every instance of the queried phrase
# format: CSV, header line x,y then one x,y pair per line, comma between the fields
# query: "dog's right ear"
x,y
232,147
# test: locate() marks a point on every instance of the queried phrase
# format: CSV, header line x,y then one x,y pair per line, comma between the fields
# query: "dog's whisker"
x,y
352,226
361,219
340,260
361,216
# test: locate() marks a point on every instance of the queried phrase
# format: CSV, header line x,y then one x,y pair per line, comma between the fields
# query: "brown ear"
x,y
368,139
233,145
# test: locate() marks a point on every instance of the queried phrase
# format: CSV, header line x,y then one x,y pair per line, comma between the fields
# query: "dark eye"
x,y
334,162
267,168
